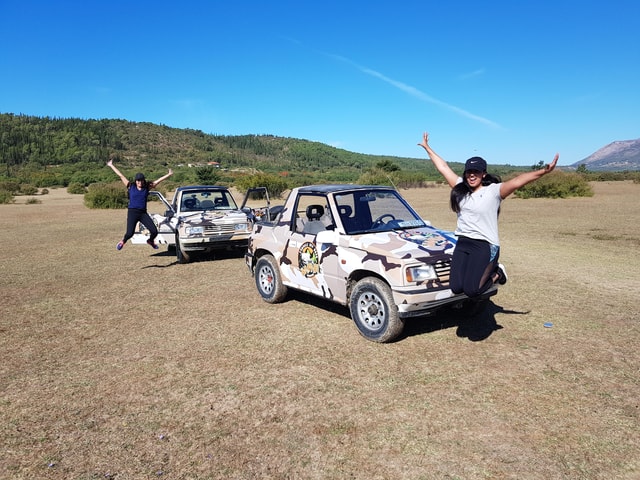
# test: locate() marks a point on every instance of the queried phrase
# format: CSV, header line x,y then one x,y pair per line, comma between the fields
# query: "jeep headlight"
x,y
192,231
421,273
241,226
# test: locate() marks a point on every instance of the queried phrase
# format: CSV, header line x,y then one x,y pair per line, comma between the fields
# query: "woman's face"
x,y
474,178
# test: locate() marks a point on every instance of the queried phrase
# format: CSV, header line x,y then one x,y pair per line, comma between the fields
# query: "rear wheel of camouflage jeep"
x,y
182,256
374,311
268,280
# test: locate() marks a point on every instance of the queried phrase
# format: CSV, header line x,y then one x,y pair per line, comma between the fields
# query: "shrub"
x,y
275,185
106,195
398,179
6,197
11,187
33,201
28,189
375,177
76,188
44,191
557,185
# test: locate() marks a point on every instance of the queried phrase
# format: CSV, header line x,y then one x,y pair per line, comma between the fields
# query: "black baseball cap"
x,y
476,163
140,176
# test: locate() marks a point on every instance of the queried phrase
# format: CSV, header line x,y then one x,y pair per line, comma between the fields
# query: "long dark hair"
x,y
463,189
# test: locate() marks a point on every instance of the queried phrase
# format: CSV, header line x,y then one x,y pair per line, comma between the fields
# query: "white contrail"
x,y
416,93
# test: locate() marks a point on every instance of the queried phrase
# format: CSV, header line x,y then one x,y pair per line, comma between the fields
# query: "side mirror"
x,y
274,212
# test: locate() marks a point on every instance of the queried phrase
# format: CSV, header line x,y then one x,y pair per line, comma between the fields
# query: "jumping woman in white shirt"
x,y
476,198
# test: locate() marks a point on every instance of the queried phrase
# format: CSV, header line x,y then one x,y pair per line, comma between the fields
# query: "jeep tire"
x,y
374,312
269,281
181,254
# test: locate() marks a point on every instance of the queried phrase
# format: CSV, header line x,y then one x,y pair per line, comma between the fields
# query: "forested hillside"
x,y
59,151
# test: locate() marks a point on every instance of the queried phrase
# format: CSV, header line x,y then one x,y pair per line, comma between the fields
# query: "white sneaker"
x,y
502,274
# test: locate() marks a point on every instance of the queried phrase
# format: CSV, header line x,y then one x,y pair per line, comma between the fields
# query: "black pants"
x,y
472,266
135,215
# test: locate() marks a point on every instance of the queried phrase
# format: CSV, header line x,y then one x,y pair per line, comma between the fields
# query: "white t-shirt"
x,y
478,217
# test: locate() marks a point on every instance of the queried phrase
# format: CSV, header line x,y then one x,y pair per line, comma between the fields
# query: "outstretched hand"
x,y
550,166
110,163
425,140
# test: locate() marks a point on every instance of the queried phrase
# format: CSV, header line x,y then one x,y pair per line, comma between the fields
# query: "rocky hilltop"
x,y
619,155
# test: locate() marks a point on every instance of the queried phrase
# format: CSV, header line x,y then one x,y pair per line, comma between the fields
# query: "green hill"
x,y
47,151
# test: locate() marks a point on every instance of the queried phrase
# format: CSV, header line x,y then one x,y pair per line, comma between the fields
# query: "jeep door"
x,y
305,263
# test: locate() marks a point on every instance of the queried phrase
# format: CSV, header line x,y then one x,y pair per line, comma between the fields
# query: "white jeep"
x,y
202,218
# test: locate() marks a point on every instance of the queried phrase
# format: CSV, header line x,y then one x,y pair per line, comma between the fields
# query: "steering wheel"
x,y
378,222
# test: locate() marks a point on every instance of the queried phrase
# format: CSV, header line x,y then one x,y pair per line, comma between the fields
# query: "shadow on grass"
x,y
196,257
476,327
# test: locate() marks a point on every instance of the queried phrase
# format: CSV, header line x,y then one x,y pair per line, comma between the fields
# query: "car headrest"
x,y
314,212
345,210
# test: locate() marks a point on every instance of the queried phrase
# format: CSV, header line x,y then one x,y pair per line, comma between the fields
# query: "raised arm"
x,y
155,184
113,167
510,186
445,170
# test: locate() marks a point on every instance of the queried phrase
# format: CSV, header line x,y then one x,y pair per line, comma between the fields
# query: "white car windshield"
x,y
194,201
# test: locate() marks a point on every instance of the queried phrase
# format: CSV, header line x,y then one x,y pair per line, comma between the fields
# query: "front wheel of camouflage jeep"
x,y
181,255
268,280
374,311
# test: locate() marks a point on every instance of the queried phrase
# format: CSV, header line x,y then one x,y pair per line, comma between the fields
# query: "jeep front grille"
x,y
219,229
443,269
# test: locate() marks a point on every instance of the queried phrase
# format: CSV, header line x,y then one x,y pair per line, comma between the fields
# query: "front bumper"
x,y
195,244
415,304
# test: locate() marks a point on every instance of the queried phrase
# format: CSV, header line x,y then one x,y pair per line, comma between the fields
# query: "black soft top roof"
x,y
213,188
324,189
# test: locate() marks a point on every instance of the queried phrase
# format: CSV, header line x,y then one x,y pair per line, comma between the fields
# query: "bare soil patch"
x,y
127,365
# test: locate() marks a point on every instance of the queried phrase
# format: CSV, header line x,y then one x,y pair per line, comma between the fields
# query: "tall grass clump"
x,y
557,185
106,195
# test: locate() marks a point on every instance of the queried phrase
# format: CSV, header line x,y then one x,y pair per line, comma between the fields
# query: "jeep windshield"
x,y
369,211
198,200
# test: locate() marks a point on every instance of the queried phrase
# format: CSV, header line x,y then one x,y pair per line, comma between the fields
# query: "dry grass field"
x,y
127,365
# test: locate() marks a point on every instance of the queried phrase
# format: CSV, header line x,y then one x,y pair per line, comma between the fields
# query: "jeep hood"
x,y
411,243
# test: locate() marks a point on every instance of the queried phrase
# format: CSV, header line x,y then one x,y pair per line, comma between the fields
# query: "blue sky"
x,y
514,82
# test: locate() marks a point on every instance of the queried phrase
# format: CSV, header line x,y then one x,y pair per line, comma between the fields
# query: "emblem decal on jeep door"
x,y
308,260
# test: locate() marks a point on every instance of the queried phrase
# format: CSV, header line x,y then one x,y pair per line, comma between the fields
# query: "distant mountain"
x,y
617,156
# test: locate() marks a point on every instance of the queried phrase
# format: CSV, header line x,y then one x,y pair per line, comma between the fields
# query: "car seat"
x,y
190,204
348,222
314,225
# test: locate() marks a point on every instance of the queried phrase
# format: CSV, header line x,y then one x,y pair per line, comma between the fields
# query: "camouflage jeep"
x,y
360,246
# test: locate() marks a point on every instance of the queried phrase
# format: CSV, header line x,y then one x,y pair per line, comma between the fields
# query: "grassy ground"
x,y
126,365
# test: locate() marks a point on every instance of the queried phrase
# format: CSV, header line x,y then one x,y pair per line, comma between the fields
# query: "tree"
x,y
538,166
387,166
207,175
